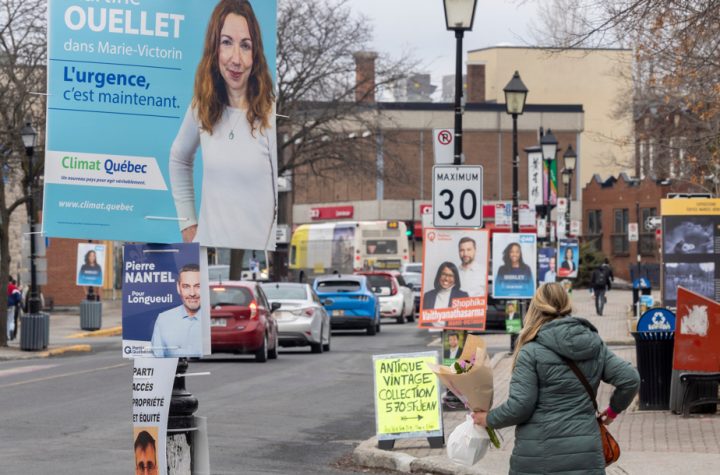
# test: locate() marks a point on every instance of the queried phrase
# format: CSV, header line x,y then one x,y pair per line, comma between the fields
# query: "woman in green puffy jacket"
x,y
556,429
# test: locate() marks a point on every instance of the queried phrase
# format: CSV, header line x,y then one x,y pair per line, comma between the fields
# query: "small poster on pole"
x,y
569,256
514,259
90,262
152,385
455,271
165,301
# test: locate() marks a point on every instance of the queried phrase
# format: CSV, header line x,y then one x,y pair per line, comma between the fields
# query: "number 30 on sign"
x,y
457,196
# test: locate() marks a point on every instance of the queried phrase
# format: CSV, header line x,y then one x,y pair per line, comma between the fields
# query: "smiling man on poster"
x,y
177,331
473,277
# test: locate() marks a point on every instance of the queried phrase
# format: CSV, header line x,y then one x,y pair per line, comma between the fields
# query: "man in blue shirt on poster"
x,y
177,330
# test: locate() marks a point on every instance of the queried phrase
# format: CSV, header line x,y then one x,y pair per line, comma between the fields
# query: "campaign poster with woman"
x,y
569,257
161,122
513,262
455,270
90,263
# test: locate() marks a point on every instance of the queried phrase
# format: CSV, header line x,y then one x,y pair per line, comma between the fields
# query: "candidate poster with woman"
x,y
569,258
455,274
90,263
161,122
513,262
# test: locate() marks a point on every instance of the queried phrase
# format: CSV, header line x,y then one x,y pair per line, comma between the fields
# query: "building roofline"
x,y
548,48
478,106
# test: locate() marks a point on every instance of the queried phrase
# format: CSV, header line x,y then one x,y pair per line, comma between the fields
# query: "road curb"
x,y
69,349
368,455
113,331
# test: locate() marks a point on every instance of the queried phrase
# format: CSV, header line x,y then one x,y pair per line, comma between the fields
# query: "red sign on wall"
x,y
697,333
331,212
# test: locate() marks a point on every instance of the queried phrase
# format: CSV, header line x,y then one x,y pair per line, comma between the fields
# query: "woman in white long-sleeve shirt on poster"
x,y
232,119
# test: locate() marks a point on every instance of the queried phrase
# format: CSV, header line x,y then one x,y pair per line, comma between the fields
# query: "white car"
x,y
301,319
396,297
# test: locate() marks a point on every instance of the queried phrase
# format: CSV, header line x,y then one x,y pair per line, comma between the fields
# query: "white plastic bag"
x,y
468,443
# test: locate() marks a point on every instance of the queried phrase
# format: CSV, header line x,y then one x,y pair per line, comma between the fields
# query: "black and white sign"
x,y
653,222
633,232
444,146
457,196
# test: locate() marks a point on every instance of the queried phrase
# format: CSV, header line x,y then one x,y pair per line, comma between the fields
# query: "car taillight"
x,y
394,288
253,309
304,312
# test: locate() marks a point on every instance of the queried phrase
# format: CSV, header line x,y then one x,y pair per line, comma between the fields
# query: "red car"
x,y
241,320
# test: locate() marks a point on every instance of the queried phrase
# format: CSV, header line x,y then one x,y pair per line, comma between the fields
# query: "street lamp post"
x,y
459,17
549,146
515,95
570,160
29,136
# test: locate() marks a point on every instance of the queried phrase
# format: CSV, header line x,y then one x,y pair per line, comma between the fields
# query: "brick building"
x,y
609,206
401,151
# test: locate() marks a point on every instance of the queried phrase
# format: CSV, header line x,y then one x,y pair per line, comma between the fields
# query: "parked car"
x,y
349,301
396,298
241,320
301,318
414,282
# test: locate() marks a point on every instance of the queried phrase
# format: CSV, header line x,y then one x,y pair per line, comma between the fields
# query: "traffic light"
x,y
409,229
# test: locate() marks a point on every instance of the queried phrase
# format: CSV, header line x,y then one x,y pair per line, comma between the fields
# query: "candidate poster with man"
x,y
133,94
514,258
90,264
165,310
454,282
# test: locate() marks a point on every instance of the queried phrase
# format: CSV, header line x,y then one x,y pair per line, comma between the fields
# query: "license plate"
x,y
338,313
218,322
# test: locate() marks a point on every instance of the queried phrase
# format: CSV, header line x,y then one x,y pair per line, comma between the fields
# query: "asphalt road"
x,y
299,414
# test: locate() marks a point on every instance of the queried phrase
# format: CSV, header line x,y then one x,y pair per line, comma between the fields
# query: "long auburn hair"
x,y
210,95
550,302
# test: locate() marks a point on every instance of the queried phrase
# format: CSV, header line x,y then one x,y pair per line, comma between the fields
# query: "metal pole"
x,y
639,263
33,298
516,193
458,97
568,195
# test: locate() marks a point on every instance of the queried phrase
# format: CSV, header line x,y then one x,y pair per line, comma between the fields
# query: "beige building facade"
x,y
599,79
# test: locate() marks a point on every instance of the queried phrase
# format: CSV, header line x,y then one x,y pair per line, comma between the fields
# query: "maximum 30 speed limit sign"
x,y
457,196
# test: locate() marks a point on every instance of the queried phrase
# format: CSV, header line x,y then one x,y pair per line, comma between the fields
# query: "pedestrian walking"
x,y
556,427
14,299
601,281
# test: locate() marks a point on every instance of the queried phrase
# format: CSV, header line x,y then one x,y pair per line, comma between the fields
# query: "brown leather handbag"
x,y
611,449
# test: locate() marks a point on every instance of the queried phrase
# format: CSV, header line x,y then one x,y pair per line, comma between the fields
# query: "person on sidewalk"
x,y
556,430
601,281
14,299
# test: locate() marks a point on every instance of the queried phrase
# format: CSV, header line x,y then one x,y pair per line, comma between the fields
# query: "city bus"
x,y
347,246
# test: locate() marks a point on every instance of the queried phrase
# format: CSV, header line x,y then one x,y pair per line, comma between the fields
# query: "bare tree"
x,y
322,121
676,101
23,44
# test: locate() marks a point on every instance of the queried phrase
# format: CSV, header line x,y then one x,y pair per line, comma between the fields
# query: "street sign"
x,y
653,222
562,204
574,227
444,146
282,234
633,232
457,196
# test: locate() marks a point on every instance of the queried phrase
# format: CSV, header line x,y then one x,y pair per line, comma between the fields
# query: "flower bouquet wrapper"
x,y
475,387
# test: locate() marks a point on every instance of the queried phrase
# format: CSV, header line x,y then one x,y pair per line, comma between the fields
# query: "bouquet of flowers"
x,y
471,379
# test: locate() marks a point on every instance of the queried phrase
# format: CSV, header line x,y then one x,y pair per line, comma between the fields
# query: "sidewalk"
x,y
67,337
652,442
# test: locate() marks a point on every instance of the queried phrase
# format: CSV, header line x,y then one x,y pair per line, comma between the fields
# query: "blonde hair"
x,y
550,302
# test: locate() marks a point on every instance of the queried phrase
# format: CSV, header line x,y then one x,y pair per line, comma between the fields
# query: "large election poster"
x,y
454,282
165,309
546,265
90,263
161,122
513,262
569,257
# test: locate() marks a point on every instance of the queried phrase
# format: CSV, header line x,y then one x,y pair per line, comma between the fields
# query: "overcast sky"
x,y
418,27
